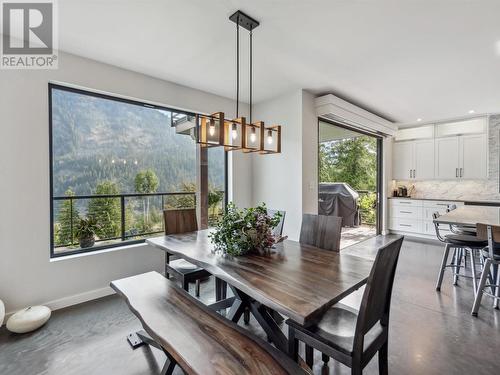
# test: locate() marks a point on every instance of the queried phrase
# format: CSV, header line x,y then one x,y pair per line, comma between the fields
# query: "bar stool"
x,y
462,244
490,278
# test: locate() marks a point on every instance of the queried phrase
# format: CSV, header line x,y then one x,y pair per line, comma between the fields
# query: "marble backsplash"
x,y
474,190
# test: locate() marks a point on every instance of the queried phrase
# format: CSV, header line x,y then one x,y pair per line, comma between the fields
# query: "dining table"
x,y
470,216
296,280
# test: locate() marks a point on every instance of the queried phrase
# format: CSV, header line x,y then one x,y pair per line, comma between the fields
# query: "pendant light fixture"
x,y
236,134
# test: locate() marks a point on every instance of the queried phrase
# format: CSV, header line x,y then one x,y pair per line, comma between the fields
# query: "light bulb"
x,y
135,162
269,137
211,128
235,132
253,136
113,161
124,162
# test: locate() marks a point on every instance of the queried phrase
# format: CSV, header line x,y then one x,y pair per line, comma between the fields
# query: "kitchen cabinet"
x,y
462,157
413,160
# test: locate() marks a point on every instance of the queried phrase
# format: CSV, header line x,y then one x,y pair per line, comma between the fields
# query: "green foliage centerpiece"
x,y
239,232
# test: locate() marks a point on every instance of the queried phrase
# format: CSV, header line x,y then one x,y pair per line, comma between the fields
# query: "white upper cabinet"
x,y
447,158
413,160
473,156
402,155
462,157
424,159
471,126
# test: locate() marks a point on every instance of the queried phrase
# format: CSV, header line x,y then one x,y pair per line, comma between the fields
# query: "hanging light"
x,y
269,137
234,132
253,135
214,130
211,127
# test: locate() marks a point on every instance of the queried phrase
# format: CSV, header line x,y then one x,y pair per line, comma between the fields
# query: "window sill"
x,y
98,252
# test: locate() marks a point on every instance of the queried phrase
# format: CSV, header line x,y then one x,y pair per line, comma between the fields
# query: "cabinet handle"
x,y
414,171
410,173
460,172
405,212
405,225
404,202
456,172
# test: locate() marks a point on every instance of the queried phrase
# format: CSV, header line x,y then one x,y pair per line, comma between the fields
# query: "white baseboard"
x,y
72,300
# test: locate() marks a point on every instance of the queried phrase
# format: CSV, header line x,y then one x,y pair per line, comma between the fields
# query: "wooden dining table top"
x,y
299,281
471,215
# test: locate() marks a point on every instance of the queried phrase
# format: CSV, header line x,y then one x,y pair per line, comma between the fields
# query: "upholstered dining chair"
x,y
321,231
489,283
177,222
349,336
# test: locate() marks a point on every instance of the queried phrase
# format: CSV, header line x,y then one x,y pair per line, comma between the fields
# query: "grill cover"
x,y
339,199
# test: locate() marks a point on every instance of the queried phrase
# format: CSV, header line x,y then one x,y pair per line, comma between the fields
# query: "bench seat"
x,y
195,337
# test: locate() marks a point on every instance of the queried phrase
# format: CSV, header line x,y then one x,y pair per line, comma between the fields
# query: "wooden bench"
x,y
193,336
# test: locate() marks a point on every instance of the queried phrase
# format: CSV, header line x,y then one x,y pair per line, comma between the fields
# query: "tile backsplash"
x,y
476,190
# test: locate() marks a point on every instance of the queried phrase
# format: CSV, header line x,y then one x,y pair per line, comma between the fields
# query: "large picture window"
x,y
116,164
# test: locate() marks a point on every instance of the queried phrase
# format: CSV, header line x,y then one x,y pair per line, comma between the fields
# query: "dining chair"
x,y
461,244
349,336
460,229
490,277
176,222
321,231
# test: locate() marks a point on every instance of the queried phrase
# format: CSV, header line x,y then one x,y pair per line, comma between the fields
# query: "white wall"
x,y
277,179
309,154
27,276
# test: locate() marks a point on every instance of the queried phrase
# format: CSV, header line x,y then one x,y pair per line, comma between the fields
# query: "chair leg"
x,y
246,316
482,282
458,261
168,367
325,359
383,363
185,284
197,291
497,287
293,345
310,356
443,266
473,270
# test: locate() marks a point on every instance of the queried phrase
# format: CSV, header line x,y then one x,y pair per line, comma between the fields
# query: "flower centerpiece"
x,y
239,232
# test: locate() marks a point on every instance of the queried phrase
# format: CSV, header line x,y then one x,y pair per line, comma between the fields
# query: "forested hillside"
x,y
95,139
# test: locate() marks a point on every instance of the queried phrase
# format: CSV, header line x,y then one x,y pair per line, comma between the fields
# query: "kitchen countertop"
x,y
467,202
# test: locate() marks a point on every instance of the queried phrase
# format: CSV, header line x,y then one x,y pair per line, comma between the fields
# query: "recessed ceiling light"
x,y
419,119
471,111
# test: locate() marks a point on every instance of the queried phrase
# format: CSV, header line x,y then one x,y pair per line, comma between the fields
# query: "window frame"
x,y
116,98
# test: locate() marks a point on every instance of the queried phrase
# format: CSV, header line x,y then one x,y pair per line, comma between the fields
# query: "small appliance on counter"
x,y
402,192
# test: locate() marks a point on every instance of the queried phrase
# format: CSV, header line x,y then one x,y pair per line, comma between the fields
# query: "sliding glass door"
x,y
350,180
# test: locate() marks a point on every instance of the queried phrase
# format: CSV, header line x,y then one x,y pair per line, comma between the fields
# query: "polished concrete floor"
x,y
430,333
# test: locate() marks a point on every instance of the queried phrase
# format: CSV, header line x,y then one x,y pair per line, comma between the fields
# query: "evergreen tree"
x,y
67,220
146,182
106,211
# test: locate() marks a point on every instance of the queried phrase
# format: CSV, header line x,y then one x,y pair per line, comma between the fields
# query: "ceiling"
x,y
402,59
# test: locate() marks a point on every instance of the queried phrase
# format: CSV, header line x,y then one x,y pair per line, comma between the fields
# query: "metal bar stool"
x,y
462,244
490,278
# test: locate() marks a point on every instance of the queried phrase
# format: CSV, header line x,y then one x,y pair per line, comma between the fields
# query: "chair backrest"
x,y
435,216
180,221
321,231
278,230
376,302
491,233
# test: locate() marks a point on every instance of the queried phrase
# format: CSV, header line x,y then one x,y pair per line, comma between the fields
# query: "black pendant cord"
x,y
237,69
251,76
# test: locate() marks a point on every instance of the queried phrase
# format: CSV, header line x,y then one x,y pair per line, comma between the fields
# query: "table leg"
x,y
262,315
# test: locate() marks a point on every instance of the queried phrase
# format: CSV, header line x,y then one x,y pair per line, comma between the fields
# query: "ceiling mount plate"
x,y
243,20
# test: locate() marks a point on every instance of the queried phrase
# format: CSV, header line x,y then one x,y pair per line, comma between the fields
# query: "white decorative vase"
x,y
2,312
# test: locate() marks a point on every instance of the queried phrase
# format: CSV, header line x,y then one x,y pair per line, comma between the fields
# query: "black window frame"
x,y
116,98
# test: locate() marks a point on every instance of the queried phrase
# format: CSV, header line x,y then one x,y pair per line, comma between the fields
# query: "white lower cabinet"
x,y
414,216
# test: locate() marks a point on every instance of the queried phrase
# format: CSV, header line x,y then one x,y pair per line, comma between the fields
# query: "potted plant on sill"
x,y
86,230
239,232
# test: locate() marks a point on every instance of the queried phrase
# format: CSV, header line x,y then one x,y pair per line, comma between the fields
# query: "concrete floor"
x,y
430,333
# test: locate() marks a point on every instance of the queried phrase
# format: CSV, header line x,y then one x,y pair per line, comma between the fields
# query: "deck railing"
x,y
121,217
